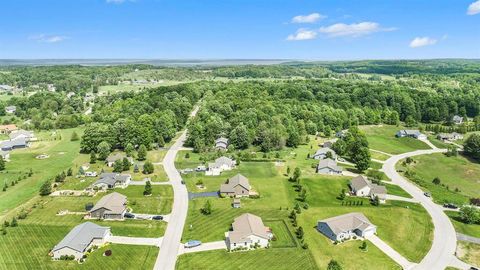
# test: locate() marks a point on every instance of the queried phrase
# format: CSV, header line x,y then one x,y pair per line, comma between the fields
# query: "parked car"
x,y
192,243
129,215
157,218
450,205
427,194
473,268
183,182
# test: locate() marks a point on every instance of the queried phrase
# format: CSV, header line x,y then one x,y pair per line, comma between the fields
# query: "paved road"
x,y
441,254
204,247
167,256
402,261
135,240
467,238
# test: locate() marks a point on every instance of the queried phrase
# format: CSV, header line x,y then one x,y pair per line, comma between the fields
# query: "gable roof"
x,y
9,127
348,222
17,142
111,178
324,151
329,163
246,225
221,142
115,157
80,237
223,160
114,202
21,132
235,181
359,182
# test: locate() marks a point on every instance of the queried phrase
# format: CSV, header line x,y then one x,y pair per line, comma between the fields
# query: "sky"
x,y
240,29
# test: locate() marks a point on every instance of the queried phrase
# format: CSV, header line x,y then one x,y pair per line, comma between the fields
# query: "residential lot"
x,y
383,138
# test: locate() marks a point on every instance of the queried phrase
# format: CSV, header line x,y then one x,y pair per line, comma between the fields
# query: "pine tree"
x,y
93,157
148,188
2,164
142,152
46,188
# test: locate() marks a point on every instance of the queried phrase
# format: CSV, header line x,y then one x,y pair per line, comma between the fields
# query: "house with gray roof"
x,y
329,166
449,136
457,119
112,180
247,232
21,133
221,143
10,109
411,133
77,242
111,206
16,143
237,186
221,164
110,160
362,187
346,226
322,153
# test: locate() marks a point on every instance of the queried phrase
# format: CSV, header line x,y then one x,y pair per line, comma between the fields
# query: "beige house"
x,y
362,187
221,143
7,129
110,160
247,232
111,206
346,226
237,186
112,180
77,242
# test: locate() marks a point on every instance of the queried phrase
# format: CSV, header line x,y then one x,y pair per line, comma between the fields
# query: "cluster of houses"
x,y
18,138
328,160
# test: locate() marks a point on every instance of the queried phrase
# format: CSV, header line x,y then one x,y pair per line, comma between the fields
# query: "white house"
x,y
346,226
77,242
112,180
449,136
91,174
21,133
221,143
329,166
412,133
457,119
10,109
248,232
221,164
362,187
322,153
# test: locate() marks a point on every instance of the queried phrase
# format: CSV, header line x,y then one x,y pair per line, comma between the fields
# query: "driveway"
x,y
203,247
143,182
193,195
168,253
441,253
402,261
142,241
467,238
399,198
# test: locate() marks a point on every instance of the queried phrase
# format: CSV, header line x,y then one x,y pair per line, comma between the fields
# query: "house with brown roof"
x,y
248,231
346,226
7,129
236,186
362,187
111,206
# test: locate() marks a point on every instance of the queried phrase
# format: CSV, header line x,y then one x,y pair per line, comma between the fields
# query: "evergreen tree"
x,y
103,150
118,166
129,149
74,137
2,164
148,167
93,157
142,152
126,164
334,265
148,188
46,188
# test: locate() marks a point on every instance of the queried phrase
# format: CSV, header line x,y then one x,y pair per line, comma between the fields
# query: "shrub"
x,y
108,253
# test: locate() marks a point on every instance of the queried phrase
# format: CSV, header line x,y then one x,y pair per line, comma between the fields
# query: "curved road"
x,y
442,252
168,253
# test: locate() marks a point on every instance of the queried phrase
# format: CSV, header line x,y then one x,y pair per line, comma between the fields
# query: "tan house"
x,y
7,129
362,187
77,242
346,226
247,232
237,186
111,206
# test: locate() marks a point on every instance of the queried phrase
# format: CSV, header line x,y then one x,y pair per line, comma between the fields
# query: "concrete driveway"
x,y
467,238
399,198
203,247
142,241
402,261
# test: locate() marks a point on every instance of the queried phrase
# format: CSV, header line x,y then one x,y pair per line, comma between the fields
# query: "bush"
x,y
108,253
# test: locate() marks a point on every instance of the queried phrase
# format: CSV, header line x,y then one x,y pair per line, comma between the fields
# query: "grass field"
x,y
383,138
460,227
62,153
454,172
160,202
396,190
469,252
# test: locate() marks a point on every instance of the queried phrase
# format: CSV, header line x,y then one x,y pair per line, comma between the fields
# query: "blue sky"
x,y
205,29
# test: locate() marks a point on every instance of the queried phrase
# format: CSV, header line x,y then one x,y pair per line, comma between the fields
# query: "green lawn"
x,y
396,190
62,153
160,202
379,156
454,172
460,227
36,241
383,138
274,259
469,252
283,235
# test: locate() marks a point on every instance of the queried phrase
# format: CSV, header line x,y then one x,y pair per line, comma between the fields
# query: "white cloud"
x,y
302,34
422,41
48,38
474,8
353,30
310,18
